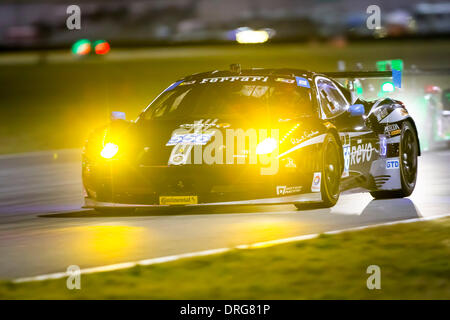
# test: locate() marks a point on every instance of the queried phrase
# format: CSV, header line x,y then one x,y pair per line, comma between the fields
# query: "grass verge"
x,y
414,260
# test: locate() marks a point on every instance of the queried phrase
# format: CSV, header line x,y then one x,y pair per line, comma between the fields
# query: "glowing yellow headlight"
x,y
109,150
266,146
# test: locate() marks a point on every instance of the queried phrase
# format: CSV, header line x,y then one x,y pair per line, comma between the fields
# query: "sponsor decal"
x,y
178,200
315,187
381,113
392,130
285,80
346,150
189,139
235,78
361,153
306,135
284,190
302,82
392,164
290,163
404,112
201,125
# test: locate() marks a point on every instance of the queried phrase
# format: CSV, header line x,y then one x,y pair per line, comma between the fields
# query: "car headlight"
x,y
109,150
266,146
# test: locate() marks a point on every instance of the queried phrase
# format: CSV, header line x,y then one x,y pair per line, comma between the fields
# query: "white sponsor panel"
x,y
315,187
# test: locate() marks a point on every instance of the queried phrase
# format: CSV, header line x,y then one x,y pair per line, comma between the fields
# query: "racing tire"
x,y
330,174
408,153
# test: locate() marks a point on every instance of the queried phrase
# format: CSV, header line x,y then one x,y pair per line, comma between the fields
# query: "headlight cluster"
x,y
266,146
109,150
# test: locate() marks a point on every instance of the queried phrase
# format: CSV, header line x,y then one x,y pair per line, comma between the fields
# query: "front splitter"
x,y
293,199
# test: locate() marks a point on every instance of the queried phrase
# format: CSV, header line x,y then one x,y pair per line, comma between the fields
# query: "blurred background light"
x,y
252,36
387,87
81,47
101,47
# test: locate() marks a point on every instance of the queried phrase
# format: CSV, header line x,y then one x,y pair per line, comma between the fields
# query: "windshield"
x,y
243,97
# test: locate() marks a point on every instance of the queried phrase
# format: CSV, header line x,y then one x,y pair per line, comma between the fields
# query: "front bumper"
x,y
118,184
294,199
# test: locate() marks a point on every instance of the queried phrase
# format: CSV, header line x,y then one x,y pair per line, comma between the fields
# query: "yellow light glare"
x,y
266,146
109,150
252,36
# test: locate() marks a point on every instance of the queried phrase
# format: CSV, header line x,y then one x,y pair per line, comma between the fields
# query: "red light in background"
x,y
102,47
432,89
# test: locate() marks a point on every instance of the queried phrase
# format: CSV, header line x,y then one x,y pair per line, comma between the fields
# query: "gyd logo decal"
x,y
392,164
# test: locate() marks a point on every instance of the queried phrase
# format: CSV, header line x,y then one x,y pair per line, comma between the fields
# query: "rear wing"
x,y
395,75
359,74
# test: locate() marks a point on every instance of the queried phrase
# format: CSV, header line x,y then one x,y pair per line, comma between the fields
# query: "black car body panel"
x,y
154,161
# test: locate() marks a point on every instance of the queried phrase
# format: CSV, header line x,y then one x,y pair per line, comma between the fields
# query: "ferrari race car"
x,y
256,136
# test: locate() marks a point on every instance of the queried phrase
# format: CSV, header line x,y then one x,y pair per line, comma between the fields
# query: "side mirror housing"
x,y
356,110
117,115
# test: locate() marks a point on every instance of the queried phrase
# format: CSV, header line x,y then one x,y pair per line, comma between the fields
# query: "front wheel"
x,y
409,150
330,174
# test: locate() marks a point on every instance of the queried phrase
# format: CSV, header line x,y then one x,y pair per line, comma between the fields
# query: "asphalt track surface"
x,y
43,230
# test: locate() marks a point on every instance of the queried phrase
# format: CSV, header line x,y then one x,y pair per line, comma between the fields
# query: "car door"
x,y
359,143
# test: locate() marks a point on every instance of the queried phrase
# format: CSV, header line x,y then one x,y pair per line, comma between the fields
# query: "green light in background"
x,y
81,47
386,65
359,90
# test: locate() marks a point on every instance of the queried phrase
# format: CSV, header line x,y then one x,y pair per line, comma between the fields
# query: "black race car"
x,y
257,136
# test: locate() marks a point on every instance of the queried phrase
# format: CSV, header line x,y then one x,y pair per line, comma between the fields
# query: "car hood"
x,y
154,142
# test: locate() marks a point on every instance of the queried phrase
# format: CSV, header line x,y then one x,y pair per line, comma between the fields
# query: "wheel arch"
x,y
335,133
411,120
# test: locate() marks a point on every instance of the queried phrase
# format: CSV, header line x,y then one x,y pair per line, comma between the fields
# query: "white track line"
x,y
146,262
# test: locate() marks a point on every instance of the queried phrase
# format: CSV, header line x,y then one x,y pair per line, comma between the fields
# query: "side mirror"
x,y
356,110
118,115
